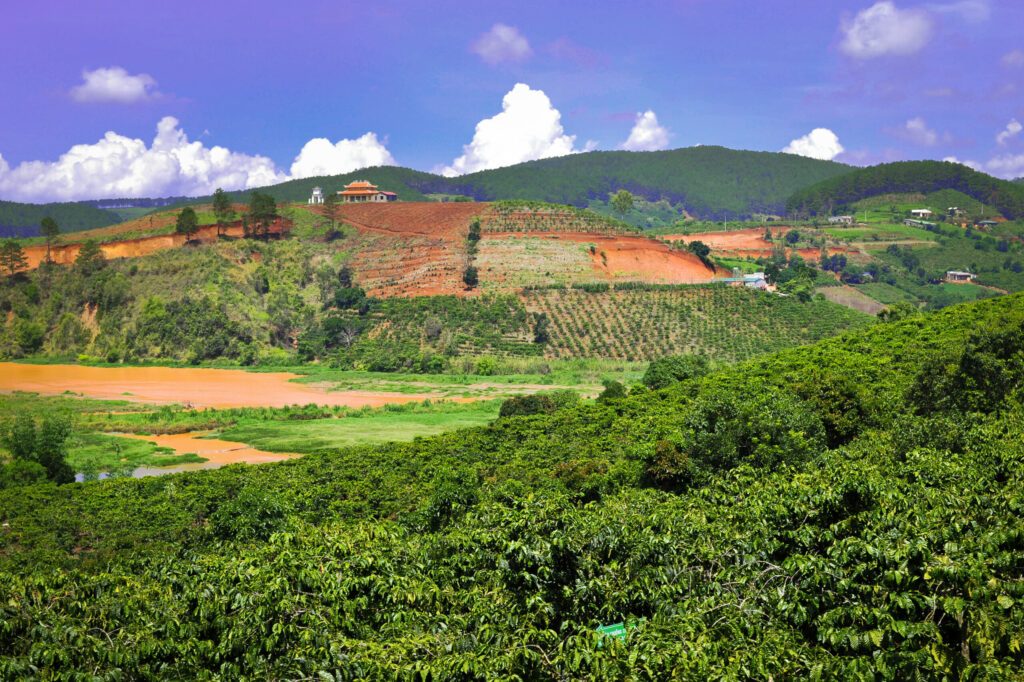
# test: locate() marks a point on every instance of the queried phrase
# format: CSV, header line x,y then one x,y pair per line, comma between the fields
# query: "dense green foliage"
x,y
710,516
838,193
712,182
23,219
646,322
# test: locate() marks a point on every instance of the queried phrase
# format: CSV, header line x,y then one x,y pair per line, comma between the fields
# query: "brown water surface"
x,y
198,387
217,452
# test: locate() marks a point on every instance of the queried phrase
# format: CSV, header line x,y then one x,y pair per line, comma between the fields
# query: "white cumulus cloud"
x,y
114,84
120,166
917,131
320,156
1011,131
1006,166
820,143
885,29
529,127
502,43
966,162
647,135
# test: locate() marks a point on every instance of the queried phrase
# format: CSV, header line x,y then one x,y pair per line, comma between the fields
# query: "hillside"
x,y
22,220
848,510
711,182
906,177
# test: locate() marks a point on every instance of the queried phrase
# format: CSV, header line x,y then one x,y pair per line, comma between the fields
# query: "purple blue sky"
x,y
115,98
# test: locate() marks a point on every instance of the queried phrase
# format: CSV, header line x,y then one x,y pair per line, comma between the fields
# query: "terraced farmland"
x,y
537,216
724,323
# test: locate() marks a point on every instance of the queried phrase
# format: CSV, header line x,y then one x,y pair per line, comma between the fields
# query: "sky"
x,y
113,98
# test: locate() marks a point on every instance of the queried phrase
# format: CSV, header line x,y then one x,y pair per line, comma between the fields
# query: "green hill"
x,y
907,177
22,220
848,510
711,182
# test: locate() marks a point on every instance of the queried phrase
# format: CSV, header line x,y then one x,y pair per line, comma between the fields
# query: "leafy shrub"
x,y
454,491
762,426
613,390
668,370
523,405
253,514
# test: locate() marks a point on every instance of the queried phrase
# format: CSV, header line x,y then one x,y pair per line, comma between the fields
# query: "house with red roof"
x,y
362,191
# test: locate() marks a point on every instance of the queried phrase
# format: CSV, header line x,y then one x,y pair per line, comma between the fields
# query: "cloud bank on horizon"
x,y
559,92
122,167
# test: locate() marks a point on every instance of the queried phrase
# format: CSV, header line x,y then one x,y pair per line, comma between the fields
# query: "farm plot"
x,y
514,262
424,218
536,216
724,323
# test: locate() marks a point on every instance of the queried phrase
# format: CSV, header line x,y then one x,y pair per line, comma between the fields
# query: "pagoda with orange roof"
x,y
363,191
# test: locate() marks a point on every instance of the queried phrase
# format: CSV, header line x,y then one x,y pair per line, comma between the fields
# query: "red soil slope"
x,y
744,243
65,254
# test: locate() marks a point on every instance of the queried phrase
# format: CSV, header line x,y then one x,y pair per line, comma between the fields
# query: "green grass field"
x,y
377,426
881,232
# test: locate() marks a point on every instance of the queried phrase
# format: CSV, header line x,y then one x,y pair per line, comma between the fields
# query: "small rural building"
x,y
841,220
959,277
317,197
986,223
921,213
755,280
955,212
363,191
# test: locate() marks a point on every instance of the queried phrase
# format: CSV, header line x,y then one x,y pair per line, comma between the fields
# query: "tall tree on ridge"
x,y
50,231
222,210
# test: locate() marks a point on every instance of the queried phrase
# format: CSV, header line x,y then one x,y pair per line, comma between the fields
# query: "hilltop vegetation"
x,y
838,193
848,510
712,182
22,220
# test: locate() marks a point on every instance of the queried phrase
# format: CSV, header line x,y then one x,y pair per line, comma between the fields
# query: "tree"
x,y
12,256
331,209
471,277
668,370
622,202
187,223
613,390
262,212
345,277
792,237
90,257
222,210
474,231
540,329
51,449
45,446
50,231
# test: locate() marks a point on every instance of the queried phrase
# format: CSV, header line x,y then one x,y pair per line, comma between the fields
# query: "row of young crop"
x,y
537,216
722,322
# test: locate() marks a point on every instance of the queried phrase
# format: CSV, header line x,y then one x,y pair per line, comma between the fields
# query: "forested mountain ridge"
x,y
710,182
905,177
22,220
848,510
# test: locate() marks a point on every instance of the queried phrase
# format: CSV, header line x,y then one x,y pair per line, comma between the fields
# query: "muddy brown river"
x,y
197,387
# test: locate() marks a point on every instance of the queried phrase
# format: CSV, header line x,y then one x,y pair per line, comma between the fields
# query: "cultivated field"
x,y
724,323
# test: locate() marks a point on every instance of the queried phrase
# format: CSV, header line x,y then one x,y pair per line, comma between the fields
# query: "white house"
x,y
840,220
317,197
959,276
920,213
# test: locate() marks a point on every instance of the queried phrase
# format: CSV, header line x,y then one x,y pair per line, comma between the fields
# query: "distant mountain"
x,y
22,220
904,177
710,182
